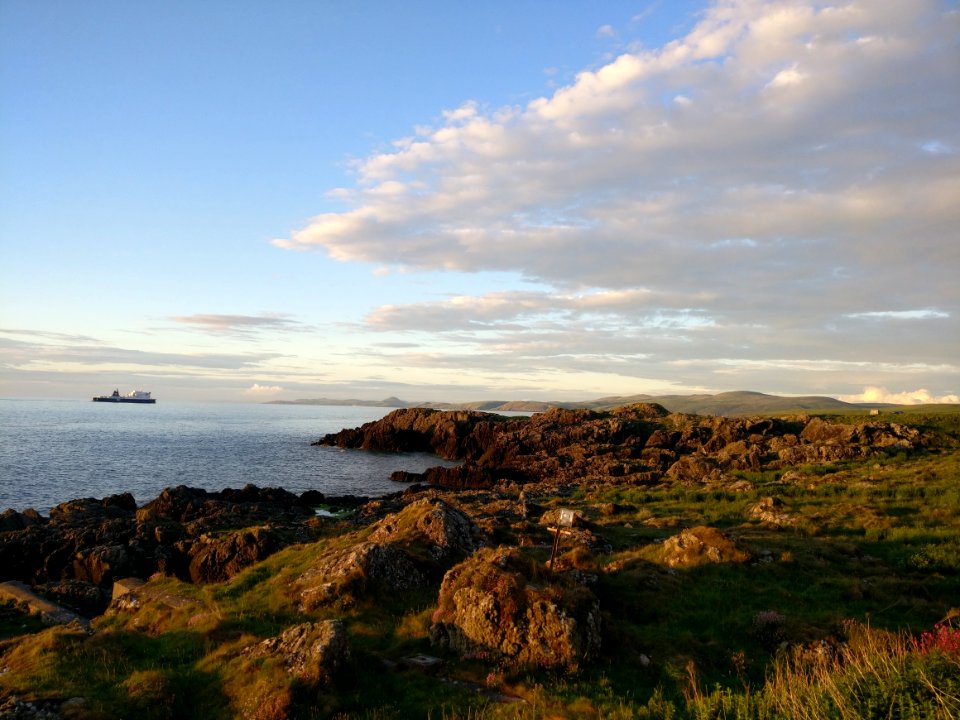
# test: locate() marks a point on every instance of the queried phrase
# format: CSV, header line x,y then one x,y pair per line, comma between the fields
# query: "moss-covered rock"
x,y
702,545
501,603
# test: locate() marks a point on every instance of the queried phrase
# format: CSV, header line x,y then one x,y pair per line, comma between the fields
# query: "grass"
x,y
832,617
16,621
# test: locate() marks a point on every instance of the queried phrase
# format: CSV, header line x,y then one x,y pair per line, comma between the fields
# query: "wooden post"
x,y
565,519
556,544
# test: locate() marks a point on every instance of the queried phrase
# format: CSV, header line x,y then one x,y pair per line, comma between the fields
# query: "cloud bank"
x,y
916,397
778,186
240,324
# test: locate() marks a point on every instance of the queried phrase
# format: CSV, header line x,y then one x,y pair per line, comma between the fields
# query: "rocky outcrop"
x,y
214,559
499,604
430,528
204,536
197,535
772,512
344,574
311,652
454,434
404,550
635,444
699,546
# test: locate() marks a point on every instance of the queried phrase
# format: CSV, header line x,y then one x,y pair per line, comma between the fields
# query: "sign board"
x,y
567,517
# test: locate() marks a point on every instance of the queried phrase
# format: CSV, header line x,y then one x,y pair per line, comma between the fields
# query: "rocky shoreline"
x,y
76,553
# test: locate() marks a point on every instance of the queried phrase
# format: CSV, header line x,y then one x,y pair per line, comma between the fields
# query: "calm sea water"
x,y
52,451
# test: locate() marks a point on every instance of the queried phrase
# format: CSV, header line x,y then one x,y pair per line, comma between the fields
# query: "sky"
x,y
247,201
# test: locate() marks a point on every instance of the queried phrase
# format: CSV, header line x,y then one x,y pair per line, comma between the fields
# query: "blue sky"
x,y
248,201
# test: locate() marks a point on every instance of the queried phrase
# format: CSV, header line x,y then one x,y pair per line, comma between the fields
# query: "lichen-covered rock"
x,y
355,569
502,604
695,469
699,546
771,511
311,652
432,528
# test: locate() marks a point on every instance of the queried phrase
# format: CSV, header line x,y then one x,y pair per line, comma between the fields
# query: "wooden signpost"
x,y
565,521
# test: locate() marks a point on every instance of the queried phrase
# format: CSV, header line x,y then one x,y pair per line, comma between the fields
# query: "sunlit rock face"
x,y
502,604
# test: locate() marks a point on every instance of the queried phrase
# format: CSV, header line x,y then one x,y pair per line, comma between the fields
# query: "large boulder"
x,y
502,604
311,652
12,520
771,511
699,546
102,564
430,528
343,574
215,559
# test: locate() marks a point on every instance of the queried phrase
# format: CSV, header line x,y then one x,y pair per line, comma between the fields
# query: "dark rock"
x,y
634,444
99,540
312,498
83,597
13,520
452,435
180,503
102,564
215,559
461,477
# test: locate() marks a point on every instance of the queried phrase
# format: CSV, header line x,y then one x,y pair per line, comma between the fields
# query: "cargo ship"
x,y
134,396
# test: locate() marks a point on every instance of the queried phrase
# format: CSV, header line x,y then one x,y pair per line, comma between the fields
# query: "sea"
x,y
52,451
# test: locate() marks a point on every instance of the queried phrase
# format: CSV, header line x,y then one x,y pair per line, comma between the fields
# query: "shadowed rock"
x,y
214,559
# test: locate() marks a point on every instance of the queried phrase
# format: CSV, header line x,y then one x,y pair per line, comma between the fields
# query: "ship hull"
x,y
137,401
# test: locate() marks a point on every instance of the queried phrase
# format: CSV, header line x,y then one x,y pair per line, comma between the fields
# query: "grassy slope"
x,y
872,550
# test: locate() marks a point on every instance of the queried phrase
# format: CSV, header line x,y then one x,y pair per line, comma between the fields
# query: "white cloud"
x,y
770,178
464,112
606,31
785,78
915,397
924,314
240,324
260,391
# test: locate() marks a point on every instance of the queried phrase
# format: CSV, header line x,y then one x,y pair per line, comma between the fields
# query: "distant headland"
x,y
734,403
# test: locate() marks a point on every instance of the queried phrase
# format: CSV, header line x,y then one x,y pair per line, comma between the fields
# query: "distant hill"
x,y
741,402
